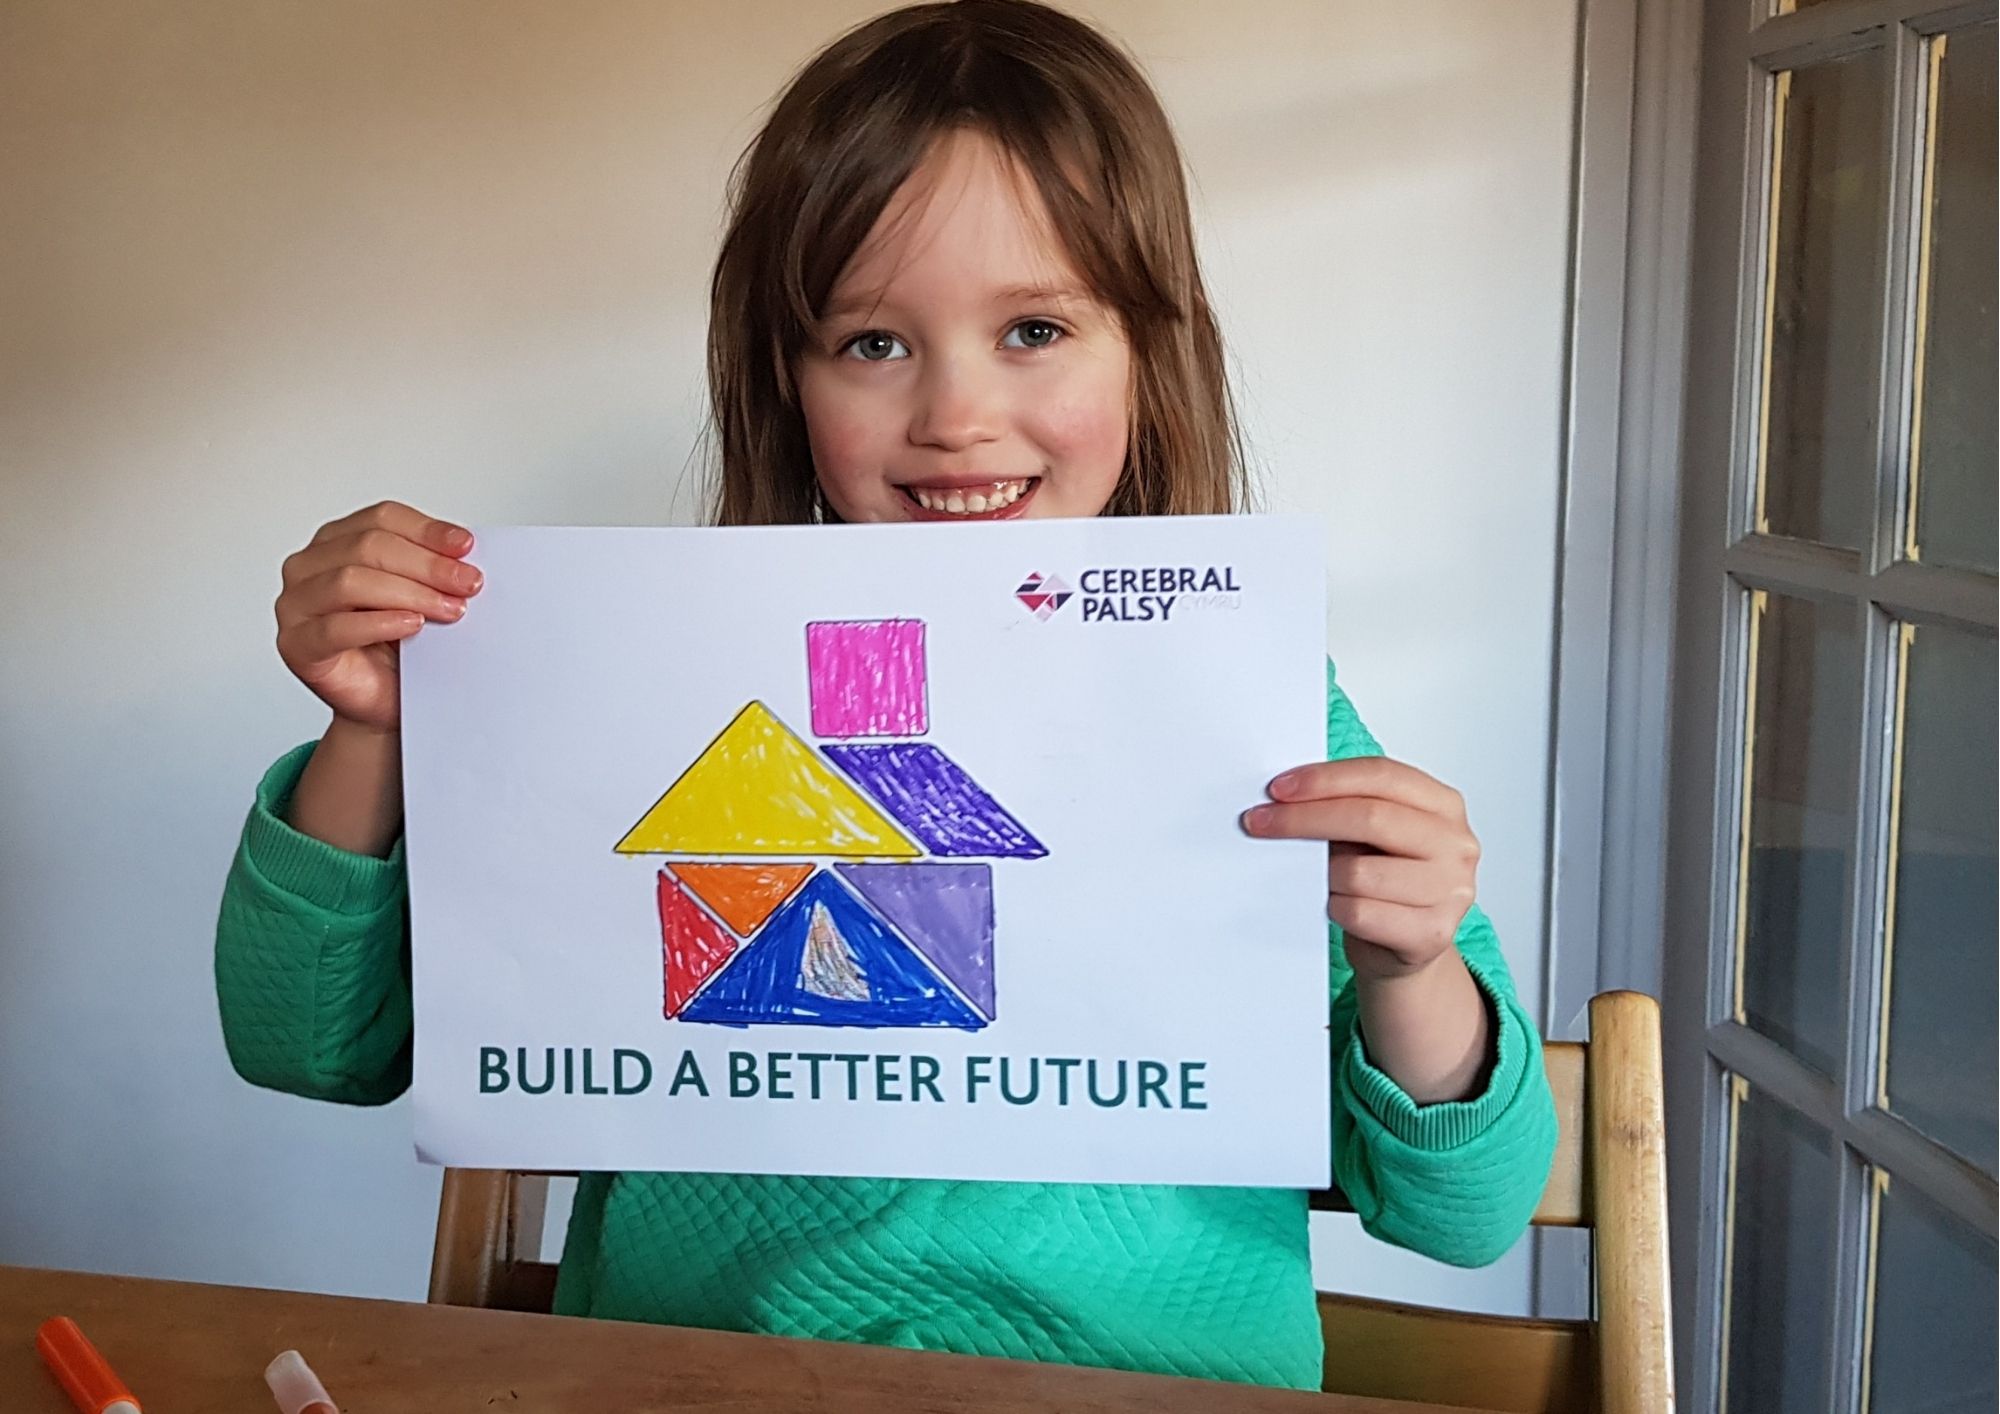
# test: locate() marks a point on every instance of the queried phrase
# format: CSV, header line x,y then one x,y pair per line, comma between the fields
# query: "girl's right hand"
x,y
365,583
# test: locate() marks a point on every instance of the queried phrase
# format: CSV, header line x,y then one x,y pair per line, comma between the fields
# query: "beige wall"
x,y
263,262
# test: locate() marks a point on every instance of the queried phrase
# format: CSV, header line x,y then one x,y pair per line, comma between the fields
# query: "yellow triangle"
x,y
758,789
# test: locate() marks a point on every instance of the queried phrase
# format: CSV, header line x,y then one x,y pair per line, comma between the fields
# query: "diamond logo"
x,y
1043,595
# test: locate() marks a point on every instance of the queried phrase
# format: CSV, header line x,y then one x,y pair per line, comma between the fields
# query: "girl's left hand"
x,y
1403,860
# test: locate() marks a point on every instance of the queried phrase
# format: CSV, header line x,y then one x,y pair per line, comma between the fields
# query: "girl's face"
x,y
962,370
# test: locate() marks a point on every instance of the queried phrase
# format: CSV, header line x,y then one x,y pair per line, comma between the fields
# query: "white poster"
x,y
906,851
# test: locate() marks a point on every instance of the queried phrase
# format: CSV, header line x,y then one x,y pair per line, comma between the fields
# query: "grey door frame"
x,y
1618,547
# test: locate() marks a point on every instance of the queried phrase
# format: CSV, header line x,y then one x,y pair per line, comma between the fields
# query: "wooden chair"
x,y
1610,1175
1610,1164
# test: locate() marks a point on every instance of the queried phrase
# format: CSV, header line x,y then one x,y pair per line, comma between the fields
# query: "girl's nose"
x,y
957,407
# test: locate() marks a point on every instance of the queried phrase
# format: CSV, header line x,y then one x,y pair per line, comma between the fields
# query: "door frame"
x,y
1618,545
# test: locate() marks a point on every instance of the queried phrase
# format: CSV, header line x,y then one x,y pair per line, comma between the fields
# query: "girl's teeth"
x,y
1002,494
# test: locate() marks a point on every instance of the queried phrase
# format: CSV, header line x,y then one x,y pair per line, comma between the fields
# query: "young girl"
x,y
959,283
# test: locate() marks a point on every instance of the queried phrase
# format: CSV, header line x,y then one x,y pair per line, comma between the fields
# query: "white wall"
x,y
261,263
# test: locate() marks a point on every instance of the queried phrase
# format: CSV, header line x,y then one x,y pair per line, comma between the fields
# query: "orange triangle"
x,y
743,895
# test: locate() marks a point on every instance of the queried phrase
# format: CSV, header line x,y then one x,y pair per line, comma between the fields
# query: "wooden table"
x,y
190,1349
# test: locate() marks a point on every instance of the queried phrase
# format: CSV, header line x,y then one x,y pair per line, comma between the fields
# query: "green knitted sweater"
x,y
311,970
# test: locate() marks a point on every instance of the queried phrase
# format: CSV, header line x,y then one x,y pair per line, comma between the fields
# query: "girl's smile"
x,y
947,498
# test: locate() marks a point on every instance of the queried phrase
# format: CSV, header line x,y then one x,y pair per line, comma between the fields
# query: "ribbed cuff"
x,y
330,878
1454,1122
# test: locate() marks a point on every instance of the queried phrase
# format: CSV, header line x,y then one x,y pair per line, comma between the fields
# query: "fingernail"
x,y
1284,784
472,580
456,539
454,608
1256,818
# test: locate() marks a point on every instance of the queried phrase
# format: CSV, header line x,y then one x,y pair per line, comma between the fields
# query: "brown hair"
x,y
1073,113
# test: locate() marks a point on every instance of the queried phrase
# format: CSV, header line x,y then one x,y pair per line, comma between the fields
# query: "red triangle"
x,y
695,944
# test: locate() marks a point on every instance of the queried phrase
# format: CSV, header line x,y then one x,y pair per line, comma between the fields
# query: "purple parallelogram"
x,y
933,798
945,910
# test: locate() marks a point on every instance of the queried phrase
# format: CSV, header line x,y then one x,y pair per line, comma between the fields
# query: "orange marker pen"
x,y
90,1383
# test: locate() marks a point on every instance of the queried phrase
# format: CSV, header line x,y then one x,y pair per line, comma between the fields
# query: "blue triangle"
x,y
762,983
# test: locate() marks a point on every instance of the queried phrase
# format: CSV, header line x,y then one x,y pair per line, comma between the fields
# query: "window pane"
x,y
1953,449
1802,749
1780,1280
1934,1312
1945,950
1825,299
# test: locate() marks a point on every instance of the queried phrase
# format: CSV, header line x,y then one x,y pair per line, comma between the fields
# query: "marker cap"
x,y
296,1388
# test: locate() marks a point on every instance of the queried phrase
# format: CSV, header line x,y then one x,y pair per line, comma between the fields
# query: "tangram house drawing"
x,y
837,885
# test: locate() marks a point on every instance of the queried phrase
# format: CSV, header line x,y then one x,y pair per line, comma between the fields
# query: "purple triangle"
x,y
945,910
932,797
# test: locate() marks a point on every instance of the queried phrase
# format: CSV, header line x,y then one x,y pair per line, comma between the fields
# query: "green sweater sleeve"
x,y
312,955
1456,1181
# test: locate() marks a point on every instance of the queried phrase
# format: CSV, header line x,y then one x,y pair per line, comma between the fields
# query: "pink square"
x,y
867,678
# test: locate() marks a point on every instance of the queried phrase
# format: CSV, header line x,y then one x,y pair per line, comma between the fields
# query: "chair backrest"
x,y
1609,1175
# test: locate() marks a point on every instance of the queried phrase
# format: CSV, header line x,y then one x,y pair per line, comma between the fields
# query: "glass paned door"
x,y
1832,1016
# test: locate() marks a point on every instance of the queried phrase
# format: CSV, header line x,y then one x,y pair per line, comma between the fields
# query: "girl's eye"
x,y
875,347
1034,334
